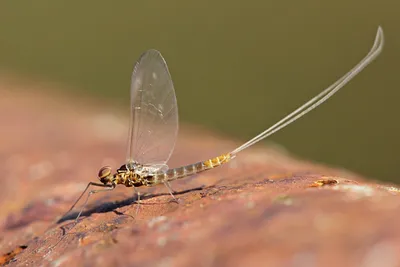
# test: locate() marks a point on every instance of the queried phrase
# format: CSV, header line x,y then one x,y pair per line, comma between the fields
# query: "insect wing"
x,y
154,112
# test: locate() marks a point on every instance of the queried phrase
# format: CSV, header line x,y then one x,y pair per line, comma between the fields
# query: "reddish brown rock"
x,y
264,209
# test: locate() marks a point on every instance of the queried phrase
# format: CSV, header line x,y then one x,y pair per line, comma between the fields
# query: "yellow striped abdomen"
x,y
217,161
181,172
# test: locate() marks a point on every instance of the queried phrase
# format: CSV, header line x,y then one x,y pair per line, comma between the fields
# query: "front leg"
x,y
108,188
84,191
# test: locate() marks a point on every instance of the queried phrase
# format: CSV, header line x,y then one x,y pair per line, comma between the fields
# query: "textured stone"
x,y
263,209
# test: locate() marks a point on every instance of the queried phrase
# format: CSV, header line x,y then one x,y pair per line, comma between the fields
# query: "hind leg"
x,y
171,191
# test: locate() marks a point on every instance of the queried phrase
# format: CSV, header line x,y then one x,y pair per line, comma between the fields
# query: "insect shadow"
x,y
112,206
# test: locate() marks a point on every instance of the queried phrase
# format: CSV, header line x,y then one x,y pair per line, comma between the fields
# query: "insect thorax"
x,y
132,174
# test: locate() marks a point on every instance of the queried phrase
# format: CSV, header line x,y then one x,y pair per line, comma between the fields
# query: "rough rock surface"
x,y
264,209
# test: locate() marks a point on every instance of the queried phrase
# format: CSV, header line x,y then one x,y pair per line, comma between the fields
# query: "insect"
x,y
154,126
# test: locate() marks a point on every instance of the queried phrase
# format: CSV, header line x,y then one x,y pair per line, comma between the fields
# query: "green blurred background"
x,y
250,62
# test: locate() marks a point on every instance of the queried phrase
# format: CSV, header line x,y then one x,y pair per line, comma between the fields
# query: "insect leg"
x,y
137,201
108,188
170,190
79,198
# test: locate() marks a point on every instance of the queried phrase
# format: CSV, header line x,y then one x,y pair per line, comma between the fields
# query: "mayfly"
x,y
154,126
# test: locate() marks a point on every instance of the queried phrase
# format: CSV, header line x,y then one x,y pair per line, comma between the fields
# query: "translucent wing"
x,y
154,112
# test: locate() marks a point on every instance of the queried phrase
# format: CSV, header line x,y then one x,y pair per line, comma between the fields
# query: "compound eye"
x,y
104,172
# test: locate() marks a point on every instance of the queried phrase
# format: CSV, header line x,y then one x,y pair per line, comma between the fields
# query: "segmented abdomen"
x,y
181,172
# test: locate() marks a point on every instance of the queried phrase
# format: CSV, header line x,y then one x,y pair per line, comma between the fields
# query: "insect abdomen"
x,y
181,172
